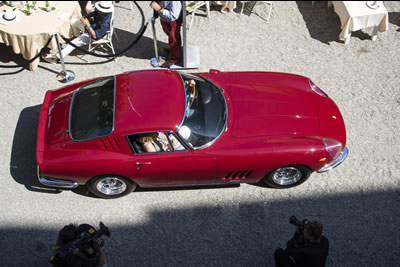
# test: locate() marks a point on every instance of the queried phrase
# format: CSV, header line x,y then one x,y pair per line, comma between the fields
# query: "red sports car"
x,y
166,128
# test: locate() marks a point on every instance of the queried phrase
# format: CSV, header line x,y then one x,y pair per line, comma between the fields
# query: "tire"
x,y
111,186
287,176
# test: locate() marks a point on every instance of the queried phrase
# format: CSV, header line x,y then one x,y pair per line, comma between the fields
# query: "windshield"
x,y
205,112
92,110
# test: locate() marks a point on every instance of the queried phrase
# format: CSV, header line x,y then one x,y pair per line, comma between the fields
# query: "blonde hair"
x,y
144,138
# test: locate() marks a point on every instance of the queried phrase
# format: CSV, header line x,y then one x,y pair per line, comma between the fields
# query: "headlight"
x,y
316,89
333,147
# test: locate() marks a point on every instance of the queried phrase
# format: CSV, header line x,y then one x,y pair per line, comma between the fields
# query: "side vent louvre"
x,y
110,144
237,175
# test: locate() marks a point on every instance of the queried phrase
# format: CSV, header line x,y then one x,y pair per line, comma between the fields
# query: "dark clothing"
x,y
100,24
303,254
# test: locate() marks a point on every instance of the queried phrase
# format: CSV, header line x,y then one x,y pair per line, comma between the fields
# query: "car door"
x,y
176,167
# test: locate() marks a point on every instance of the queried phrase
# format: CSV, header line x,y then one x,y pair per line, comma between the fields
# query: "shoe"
x,y
50,59
167,64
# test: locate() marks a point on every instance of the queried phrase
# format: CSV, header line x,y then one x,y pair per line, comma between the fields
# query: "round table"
x,y
29,34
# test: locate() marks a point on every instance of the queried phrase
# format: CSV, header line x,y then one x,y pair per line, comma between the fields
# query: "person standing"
x,y
170,13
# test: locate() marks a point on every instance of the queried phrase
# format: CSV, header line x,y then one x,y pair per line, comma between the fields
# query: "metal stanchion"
x,y
155,61
65,75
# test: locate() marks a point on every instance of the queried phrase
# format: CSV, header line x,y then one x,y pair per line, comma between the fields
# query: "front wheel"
x,y
110,186
287,176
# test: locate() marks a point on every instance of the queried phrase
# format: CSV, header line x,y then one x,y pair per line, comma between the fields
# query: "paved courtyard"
x,y
358,202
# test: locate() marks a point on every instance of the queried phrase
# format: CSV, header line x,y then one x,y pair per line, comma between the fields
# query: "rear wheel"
x,y
110,186
287,176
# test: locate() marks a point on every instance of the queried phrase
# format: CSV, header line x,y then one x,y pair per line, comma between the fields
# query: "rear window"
x,y
92,110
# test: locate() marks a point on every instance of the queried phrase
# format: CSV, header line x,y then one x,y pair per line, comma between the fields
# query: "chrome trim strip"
x,y
56,183
309,83
336,162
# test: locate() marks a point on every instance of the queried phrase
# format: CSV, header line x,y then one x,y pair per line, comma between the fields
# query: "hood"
x,y
264,110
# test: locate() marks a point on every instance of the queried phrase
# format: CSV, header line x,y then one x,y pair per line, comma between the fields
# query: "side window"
x,y
176,144
152,142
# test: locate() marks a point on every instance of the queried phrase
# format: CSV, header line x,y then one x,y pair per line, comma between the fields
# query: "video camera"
x,y
298,238
79,245
300,224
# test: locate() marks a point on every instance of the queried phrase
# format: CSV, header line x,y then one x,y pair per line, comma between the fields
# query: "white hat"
x,y
104,6
10,16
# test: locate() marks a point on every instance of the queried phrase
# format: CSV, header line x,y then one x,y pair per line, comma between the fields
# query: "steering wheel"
x,y
193,95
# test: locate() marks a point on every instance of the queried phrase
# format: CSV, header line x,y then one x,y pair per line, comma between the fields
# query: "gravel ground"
x,y
358,202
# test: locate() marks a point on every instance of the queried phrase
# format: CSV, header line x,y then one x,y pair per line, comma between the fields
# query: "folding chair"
x,y
106,40
259,2
192,6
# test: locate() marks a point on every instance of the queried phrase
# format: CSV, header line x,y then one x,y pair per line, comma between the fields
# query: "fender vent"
x,y
237,175
110,144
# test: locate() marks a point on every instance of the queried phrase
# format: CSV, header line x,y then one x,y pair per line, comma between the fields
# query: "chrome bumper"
x,y
336,162
55,182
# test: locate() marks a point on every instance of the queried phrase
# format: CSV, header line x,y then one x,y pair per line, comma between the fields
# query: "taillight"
x,y
333,147
316,89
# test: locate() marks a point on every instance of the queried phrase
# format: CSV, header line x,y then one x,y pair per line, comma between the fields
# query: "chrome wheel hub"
x,y
286,176
111,186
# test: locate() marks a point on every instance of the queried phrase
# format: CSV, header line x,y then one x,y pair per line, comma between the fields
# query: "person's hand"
x,y
85,21
154,5
190,83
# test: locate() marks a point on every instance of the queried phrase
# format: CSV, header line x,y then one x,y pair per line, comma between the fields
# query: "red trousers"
x,y
173,30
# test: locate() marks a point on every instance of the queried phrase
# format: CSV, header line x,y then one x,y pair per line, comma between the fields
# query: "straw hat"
x,y
104,6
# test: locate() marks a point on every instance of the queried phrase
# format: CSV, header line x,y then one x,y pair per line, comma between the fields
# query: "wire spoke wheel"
x,y
111,186
287,176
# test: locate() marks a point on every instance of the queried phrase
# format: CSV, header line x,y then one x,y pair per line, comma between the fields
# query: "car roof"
x,y
148,100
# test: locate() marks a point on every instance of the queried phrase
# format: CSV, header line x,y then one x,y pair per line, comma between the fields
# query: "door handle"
x,y
142,163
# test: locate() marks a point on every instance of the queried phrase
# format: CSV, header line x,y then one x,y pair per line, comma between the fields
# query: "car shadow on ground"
x,y
23,155
362,229
83,191
322,22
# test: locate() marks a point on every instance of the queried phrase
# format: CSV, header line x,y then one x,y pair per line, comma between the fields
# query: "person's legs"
x,y
177,54
79,41
172,30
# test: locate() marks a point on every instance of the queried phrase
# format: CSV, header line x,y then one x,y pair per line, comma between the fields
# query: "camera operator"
x,y
308,247
79,246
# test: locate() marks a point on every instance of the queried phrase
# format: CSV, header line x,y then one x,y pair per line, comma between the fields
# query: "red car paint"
x,y
274,120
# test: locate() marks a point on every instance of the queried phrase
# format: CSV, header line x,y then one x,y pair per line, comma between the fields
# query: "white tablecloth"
x,y
30,33
356,15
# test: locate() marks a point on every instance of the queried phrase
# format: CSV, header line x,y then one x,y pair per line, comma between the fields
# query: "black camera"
x,y
300,224
298,239
78,245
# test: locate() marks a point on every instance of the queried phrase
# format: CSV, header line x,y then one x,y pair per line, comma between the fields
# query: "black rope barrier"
x,y
30,60
143,28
